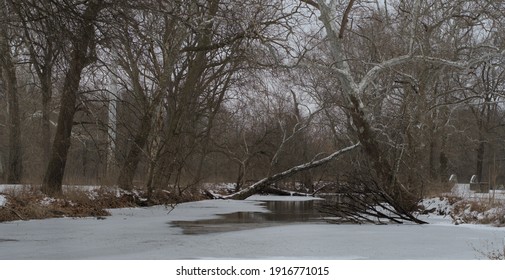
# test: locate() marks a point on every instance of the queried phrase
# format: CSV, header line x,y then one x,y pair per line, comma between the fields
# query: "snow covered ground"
x,y
146,233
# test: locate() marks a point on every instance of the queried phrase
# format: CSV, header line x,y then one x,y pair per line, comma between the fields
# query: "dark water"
x,y
8,240
281,212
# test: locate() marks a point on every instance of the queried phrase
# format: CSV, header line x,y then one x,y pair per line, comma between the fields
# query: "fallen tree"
x,y
266,183
364,200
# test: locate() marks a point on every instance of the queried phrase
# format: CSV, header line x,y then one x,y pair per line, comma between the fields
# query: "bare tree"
x,y
358,80
147,68
40,33
487,93
204,46
81,54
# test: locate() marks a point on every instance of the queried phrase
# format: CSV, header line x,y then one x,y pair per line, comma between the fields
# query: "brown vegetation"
x,y
26,203
479,212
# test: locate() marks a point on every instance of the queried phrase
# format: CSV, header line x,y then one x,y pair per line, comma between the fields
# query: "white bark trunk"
x,y
266,182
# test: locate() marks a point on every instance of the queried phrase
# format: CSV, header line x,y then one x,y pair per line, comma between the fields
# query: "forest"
x,y
388,98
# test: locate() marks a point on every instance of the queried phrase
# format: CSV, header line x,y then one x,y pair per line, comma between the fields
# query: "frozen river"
x,y
154,233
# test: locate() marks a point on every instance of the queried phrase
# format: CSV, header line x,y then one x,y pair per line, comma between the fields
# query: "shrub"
x,y
478,212
25,203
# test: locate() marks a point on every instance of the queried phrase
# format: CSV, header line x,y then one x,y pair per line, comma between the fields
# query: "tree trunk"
x,y
480,160
433,159
79,59
14,164
46,118
127,171
242,166
56,167
444,161
368,139
352,92
111,133
266,182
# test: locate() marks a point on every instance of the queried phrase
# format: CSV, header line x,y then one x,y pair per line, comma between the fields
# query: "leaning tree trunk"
x,y
368,138
353,92
268,181
404,199
79,59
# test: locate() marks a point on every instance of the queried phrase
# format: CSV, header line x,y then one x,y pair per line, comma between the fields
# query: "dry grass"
x,y
479,212
25,203
29,203
471,210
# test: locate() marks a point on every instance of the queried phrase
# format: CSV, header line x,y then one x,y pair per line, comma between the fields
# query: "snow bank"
x,y
437,205
464,191
5,188
473,207
3,200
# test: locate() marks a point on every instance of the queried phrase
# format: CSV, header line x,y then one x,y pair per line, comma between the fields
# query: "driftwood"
x,y
266,183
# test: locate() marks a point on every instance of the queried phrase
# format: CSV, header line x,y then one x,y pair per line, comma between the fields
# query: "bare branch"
x,y
345,19
311,3
458,64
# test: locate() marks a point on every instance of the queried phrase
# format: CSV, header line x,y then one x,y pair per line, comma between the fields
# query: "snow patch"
x,y
10,187
437,205
47,201
3,200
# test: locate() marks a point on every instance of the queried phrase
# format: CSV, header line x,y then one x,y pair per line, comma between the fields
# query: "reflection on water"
x,y
281,212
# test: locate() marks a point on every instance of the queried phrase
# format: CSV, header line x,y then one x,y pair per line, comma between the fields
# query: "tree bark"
x,y
368,138
52,183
